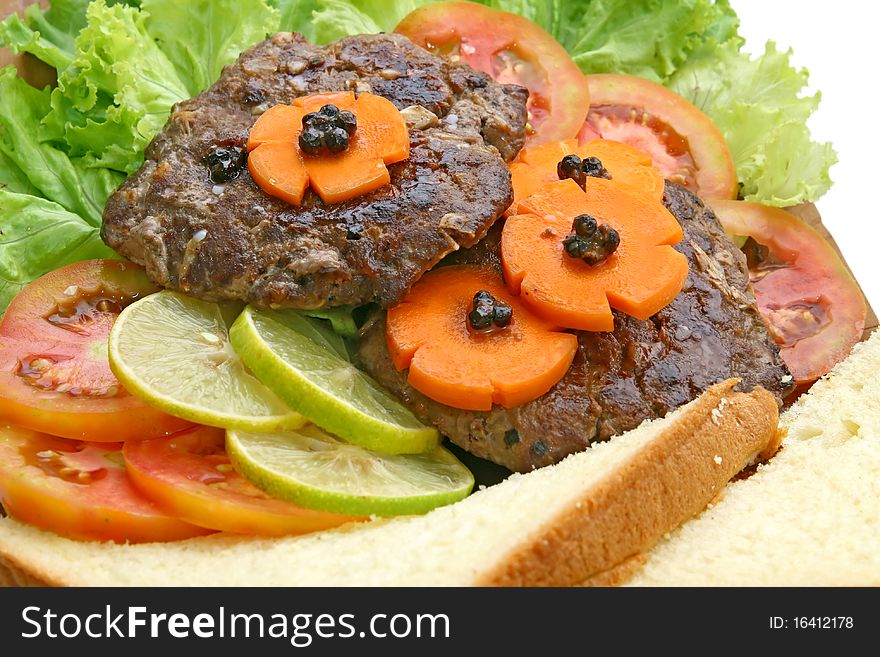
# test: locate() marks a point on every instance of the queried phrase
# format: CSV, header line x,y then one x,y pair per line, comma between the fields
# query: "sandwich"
x,y
338,255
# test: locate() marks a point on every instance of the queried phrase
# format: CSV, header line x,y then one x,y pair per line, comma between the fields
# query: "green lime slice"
x,y
311,468
174,352
308,367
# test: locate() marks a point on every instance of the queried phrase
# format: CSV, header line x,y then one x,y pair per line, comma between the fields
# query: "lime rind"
x,y
313,469
308,367
174,352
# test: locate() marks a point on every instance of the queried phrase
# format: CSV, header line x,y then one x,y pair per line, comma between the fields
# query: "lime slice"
x,y
311,468
308,367
174,352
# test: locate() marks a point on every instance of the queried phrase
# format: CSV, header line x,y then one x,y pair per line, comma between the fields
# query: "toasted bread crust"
x,y
601,535
651,494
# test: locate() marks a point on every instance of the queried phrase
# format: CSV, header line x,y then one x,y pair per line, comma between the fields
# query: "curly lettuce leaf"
x,y
758,105
131,65
37,236
117,92
649,38
48,35
75,186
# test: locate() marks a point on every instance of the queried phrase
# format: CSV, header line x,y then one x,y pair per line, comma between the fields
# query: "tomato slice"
x,y
54,372
509,48
79,490
684,144
190,475
812,304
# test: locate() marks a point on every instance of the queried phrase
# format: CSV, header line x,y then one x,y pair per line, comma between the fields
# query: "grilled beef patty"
x,y
234,242
642,370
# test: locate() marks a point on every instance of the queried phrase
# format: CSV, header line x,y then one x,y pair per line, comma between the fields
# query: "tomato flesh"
x,y
813,306
55,375
683,143
79,490
190,475
511,49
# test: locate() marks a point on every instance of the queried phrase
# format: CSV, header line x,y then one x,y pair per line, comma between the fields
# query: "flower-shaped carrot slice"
x,y
642,276
428,332
536,166
281,169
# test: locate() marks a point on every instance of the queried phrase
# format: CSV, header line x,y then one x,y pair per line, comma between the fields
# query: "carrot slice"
x,y
277,168
381,138
642,276
428,333
536,166
279,123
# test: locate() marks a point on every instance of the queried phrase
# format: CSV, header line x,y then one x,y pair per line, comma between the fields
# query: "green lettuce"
x,y
334,19
121,66
74,185
117,92
200,37
13,179
296,16
50,204
758,105
48,35
37,236
341,319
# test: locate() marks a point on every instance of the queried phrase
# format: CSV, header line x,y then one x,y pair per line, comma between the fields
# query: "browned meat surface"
x,y
235,242
642,370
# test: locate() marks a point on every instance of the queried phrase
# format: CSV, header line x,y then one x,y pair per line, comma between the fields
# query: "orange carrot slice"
x,y
277,166
536,166
281,167
428,333
278,123
642,276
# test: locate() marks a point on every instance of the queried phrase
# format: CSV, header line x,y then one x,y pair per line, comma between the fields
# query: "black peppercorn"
x,y
590,241
327,129
336,140
572,166
311,141
592,166
502,315
225,163
488,311
329,111
347,121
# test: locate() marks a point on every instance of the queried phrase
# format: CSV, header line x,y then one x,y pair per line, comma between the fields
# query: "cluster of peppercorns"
x,y
225,163
572,166
488,311
329,128
590,241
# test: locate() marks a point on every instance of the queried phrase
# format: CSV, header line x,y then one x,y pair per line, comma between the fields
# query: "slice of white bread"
x,y
583,519
811,516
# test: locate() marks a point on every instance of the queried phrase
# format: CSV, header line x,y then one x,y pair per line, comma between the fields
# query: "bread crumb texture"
x,y
811,516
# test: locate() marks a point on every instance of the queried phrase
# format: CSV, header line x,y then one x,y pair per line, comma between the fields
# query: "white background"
x,y
839,43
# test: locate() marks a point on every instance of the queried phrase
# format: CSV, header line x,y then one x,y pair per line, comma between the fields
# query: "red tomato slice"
x,y
684,144
814,307
510,48
54,372
190,475
79,490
